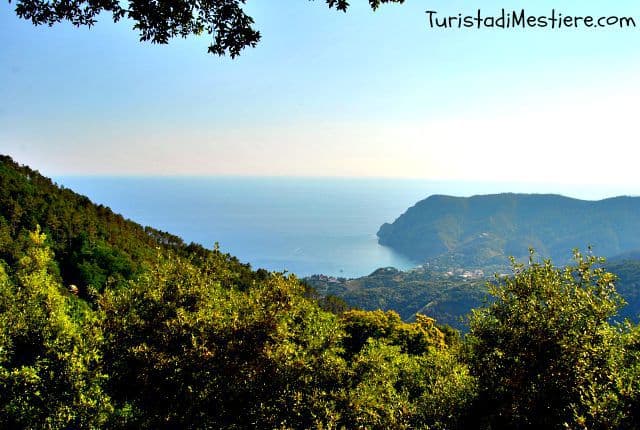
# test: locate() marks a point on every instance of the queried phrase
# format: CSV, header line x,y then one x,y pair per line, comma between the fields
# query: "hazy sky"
x,y
331,94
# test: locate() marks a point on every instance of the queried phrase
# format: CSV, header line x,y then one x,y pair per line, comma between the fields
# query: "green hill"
x,y
105,324
93,246
483,231
446,297
450,296
628,284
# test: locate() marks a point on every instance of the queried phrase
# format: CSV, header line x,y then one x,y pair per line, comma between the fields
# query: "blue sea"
x,y
302,225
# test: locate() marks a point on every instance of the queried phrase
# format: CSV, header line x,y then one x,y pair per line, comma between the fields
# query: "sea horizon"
x,y
302,225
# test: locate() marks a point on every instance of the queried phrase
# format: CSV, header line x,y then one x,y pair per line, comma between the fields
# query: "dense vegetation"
x,y
482,231
449,295
445,297
628,284
93,247
190,338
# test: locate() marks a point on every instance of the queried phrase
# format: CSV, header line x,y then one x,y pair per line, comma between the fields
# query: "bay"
x,y
302,225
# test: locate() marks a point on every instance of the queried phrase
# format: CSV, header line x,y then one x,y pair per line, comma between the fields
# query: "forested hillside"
x,y
483,231
188,338
628,282
93,246
449,296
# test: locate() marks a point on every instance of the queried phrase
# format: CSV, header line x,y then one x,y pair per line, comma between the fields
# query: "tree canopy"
x,y
158,21
183,337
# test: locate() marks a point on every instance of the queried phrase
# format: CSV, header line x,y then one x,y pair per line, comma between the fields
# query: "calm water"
x,y
304,226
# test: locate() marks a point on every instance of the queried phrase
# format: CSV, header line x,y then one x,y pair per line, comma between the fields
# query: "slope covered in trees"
x,y
447,298
483,231
450,295
93,246
192,339
627,272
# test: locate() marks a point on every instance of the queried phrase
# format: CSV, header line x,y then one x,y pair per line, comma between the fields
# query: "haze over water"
x,y
302,225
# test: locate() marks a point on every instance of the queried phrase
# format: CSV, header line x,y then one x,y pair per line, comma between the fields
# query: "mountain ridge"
x,y
483,230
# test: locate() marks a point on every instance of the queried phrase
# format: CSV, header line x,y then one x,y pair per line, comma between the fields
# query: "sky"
x,y
328,94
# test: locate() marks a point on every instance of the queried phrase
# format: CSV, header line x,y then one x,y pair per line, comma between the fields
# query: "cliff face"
x,y
485,230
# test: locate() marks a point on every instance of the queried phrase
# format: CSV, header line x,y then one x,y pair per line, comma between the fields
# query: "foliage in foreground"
x,y
50,364
159,21
179,348
546,355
